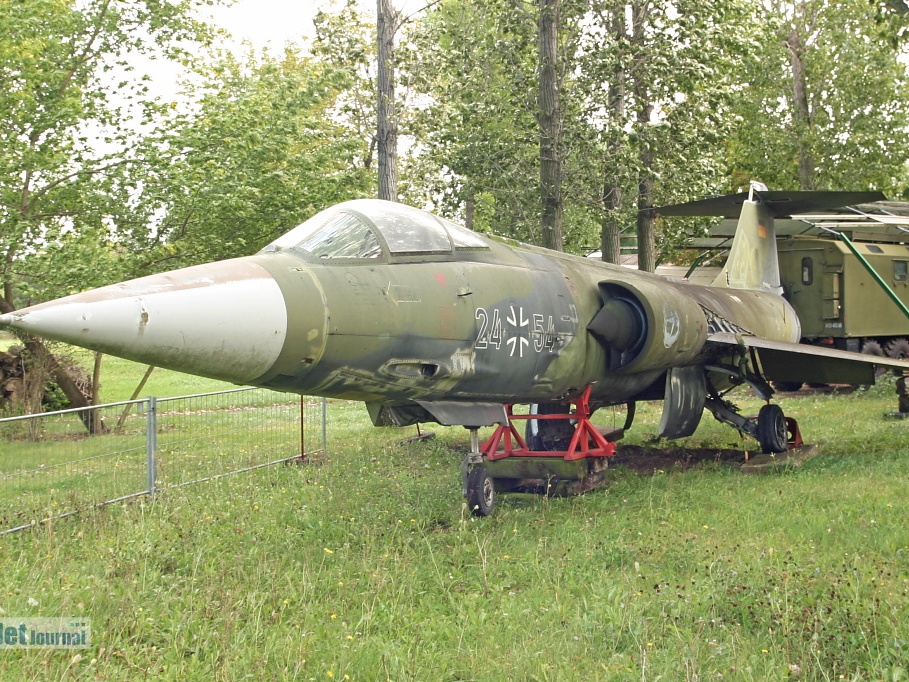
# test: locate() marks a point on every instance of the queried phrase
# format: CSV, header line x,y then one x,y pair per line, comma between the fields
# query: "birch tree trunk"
x,y
387,126
550,118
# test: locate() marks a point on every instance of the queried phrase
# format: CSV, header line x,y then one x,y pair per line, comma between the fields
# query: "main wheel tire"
x,y
772,433
898,349
551,434
481,492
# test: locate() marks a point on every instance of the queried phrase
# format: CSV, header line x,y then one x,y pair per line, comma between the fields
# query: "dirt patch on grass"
x,y
644,460
824,389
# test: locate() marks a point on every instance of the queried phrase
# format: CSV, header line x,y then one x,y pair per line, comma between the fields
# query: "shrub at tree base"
x,y
26,386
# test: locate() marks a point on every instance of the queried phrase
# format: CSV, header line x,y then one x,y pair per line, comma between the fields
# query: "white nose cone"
x,y
224,320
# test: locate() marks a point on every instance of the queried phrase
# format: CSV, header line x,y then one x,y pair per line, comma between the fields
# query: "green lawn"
x,y
366,565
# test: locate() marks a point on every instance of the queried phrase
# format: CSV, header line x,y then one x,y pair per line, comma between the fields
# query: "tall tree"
x,y
655,80
64,126
644,99
475,141
827,105
613,186
550,122
491,126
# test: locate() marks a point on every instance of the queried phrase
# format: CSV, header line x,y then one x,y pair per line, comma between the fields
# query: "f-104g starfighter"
x,y
426,321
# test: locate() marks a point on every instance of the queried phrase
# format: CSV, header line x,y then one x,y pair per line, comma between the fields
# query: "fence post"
x,y
151,466
302,428
324,423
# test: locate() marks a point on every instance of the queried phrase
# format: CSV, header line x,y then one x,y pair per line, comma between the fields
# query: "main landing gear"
x,y
505,462
771,428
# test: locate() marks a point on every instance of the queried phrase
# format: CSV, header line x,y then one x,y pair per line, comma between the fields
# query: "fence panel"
x,y
209,435
50,466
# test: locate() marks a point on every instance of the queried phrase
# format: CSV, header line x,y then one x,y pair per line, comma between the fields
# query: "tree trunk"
x,y
802,111
610,227
646,238
550,122
386,128
39,352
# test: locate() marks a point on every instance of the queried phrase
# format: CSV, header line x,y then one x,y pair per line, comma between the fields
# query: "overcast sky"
x,y
275,22
264,23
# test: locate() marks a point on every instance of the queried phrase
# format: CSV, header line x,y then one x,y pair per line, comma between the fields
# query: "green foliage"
x,y
62,125
74,262
706,92
478,139
258,155
654,86
474,65
854,131
346,41
54,398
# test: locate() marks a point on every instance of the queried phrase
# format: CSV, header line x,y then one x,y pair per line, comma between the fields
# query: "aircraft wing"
x,y
781,361
780,204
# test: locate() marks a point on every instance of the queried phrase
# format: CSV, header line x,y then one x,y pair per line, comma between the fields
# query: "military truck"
x,y
838,301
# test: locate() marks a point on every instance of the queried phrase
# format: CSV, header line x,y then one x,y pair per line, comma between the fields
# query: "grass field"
x,y
367,566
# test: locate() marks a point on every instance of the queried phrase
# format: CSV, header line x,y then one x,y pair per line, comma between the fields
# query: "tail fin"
x,y
753,262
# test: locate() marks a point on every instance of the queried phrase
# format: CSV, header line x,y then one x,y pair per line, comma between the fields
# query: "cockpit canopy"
x,y
373,229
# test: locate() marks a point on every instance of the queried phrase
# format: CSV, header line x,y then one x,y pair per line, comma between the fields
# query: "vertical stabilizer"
x,y
753,262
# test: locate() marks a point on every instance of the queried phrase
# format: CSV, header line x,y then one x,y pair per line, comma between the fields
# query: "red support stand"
x,y
587,441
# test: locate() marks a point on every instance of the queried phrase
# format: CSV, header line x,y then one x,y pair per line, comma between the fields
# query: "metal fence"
x,y
60,463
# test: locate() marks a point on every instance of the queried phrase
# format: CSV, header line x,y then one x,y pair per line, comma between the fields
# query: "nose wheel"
x,y
481,491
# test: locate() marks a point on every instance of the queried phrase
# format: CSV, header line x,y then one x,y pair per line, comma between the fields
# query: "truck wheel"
x,y
871,347
898,349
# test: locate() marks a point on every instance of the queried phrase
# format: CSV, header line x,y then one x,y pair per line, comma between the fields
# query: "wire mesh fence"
x,y
59,463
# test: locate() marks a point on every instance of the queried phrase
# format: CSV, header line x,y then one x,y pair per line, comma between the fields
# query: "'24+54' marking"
x,y
493,332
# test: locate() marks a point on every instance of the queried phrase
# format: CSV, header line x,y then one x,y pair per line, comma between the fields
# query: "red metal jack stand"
x,y
587,441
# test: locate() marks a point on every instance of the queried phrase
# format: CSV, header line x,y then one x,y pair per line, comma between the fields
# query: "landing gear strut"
x,y
477,485
771,428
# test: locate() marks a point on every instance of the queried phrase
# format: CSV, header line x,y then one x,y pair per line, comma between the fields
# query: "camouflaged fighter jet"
x,y
426,321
